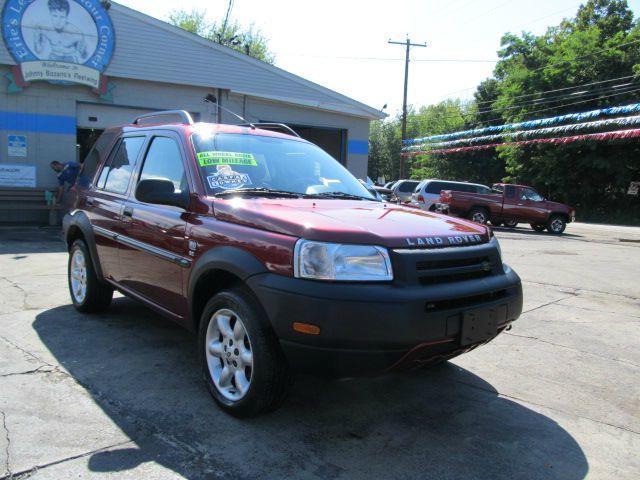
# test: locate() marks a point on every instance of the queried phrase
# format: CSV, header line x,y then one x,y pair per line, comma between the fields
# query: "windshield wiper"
x,y
257,191
341,195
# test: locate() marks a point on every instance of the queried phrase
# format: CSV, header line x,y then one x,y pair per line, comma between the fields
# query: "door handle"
x,y
521,204
127,212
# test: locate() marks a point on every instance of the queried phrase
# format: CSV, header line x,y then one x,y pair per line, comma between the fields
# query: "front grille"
x,y
432,267
431,272
450,263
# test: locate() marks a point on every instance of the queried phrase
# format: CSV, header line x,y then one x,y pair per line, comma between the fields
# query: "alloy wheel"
x,y
229,354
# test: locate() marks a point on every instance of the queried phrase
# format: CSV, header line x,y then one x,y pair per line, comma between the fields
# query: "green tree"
x,y
249,41
601,43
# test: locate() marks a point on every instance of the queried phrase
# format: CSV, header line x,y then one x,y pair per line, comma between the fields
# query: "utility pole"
x,y
408,45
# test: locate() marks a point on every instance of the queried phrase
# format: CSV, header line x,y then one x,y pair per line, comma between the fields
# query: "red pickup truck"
x,y
510,205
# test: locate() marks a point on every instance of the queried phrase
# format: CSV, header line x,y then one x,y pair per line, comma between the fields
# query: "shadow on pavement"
x,y
24,240
444,422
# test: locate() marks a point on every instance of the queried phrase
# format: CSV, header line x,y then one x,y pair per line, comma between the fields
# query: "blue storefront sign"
x,y
59,41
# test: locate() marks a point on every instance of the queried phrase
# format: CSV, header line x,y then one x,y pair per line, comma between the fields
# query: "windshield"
x,y
269,165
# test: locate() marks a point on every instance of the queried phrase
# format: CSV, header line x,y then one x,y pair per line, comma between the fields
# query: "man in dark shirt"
x,y
67,173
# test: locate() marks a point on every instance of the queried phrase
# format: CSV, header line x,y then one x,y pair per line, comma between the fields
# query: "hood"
x,y
351,221
558,207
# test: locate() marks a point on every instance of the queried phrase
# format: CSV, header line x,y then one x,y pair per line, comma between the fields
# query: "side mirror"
x,y
161,191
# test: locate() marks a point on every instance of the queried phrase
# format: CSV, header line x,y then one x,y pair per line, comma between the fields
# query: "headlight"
x,y
335,261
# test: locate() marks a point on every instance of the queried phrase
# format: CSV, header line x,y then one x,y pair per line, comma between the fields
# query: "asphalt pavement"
x,y
118,395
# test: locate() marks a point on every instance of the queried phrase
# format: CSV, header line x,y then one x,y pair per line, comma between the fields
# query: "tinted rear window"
x,y
435,187
407,187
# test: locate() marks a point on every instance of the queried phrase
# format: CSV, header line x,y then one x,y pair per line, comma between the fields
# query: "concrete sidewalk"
x,y
118,395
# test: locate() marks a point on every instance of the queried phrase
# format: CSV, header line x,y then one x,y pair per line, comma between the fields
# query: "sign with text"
x,y
17,145
59,41
17,175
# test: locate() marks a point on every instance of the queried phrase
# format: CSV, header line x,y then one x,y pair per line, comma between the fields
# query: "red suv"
x,y
278,258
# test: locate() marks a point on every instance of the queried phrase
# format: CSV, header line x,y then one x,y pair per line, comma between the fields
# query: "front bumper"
x,y
373,328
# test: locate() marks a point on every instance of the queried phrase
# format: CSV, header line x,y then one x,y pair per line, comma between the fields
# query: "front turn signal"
x,y
306,328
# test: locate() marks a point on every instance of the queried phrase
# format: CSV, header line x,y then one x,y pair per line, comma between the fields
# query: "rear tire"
x,y
479,215
556,224
510,223
242,364
538,227
88,293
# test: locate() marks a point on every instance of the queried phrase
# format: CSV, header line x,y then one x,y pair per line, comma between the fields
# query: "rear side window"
x,y
407,187
436,187
509,191
483,190
164,160
117,171
97,152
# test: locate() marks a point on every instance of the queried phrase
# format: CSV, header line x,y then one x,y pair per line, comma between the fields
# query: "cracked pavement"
x,y
119,394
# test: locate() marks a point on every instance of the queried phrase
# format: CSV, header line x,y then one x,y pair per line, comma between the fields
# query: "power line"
x,y
563,89
458,60
559,98
547,109
626,88
560,62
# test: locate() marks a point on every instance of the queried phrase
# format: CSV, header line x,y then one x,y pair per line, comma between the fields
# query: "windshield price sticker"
x,y
226,158
227,179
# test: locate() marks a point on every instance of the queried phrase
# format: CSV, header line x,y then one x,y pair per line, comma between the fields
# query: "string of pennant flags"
x,y
541,122
511,136
520,133
616,135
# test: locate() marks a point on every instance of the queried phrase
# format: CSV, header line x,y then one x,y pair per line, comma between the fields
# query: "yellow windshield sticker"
x,y
226,158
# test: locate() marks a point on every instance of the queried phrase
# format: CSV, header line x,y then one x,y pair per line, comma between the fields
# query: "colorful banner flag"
x,y
616,135
611,111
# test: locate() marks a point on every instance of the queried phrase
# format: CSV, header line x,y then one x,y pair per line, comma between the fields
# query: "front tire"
x,y
556,224
242,364
88,293
479,215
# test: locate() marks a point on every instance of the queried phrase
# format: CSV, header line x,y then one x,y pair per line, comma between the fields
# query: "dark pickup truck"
x,y
510,205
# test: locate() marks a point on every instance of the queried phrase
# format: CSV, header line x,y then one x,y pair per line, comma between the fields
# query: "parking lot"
x,y
118,395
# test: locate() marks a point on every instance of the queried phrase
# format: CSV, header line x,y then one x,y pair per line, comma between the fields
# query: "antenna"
x,y
210,98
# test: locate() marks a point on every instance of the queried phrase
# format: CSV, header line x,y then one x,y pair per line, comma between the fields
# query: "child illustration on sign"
x,y
65,40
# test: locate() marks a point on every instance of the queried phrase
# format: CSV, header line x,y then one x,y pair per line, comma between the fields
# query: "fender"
x,y
566,216
229,259
80,220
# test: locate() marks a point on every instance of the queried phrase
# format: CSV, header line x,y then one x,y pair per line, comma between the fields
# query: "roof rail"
x,y
182,114
276,127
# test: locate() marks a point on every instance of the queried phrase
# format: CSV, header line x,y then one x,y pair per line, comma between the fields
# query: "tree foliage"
x,y
602,42
249,41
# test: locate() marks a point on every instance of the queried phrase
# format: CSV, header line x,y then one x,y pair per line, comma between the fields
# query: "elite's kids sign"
x,y
60,41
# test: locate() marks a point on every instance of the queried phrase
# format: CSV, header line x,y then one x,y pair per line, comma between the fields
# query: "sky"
x,y
343,45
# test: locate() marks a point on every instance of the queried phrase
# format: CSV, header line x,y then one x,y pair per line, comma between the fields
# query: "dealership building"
x,y
70,68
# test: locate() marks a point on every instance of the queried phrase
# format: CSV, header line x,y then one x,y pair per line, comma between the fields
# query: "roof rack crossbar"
x,y
273,126
183,114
